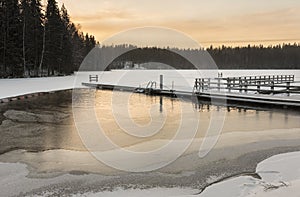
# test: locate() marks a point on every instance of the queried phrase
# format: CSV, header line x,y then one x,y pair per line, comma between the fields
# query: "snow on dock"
x,y
278,90
251,89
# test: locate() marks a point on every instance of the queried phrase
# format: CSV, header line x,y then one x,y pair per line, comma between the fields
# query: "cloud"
x,y
262,25
105,15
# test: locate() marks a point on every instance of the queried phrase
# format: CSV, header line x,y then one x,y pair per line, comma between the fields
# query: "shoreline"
x,y
197,179
55,164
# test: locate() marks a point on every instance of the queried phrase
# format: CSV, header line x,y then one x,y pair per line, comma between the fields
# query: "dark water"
x,y
46,122
249,135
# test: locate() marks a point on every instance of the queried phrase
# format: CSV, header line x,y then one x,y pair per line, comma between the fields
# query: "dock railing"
x,y
93,78
266,84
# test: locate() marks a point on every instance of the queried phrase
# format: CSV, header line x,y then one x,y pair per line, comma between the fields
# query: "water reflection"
x,y
161,104
237,118
63,134
251,118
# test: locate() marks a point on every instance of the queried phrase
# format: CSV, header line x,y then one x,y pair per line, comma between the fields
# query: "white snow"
x,y
153,192
14,179
280,177
182,79
21,86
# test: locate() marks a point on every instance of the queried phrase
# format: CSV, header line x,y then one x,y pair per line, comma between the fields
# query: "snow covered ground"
x,y
21,86
179,79
280,176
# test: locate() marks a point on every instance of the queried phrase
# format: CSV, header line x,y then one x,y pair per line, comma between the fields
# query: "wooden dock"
x,y
147,90
246,90
268,84
259,90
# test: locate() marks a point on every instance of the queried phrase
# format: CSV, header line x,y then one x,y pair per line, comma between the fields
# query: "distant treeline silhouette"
x,y
34,42
286,56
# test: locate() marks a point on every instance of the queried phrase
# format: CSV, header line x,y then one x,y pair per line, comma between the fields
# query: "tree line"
x,y
38,40
285,56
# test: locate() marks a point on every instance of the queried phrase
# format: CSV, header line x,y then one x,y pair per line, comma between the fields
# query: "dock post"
x,y
161,84
196,84
240,84
272,87
288,88
233,81
219,85
258,87
202,85
228,84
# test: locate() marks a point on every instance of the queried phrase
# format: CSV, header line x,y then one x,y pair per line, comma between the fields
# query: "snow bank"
x,y
154,192
17,87
181,79
280,176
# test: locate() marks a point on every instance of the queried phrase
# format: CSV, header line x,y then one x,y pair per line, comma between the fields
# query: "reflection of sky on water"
x,y
237,119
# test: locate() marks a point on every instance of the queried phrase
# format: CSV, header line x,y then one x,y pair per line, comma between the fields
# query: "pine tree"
x,y
36,29
34,42
78,52
67,59
12,58
25,20
32,34
89,43
2,37
54,37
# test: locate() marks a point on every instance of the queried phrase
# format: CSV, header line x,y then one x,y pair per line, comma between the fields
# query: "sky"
x,y
213,22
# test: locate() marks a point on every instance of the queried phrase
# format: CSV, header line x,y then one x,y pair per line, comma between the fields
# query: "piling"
x,y
161,84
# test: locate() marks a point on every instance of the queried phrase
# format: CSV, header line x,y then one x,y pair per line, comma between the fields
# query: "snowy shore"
x,y
181,79
17,87
280,174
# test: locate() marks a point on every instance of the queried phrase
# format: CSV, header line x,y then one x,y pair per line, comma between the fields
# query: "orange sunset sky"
x,y
213,22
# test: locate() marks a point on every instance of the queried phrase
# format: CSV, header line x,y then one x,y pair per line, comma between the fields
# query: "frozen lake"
x,y
42,149
40,132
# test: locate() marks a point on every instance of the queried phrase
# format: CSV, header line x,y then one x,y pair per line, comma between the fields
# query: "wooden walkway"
x,y
246,90
147,90
268,84
259,90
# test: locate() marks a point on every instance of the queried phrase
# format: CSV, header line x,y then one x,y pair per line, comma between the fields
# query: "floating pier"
x,y
250,89
149,90
247,90
267,84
